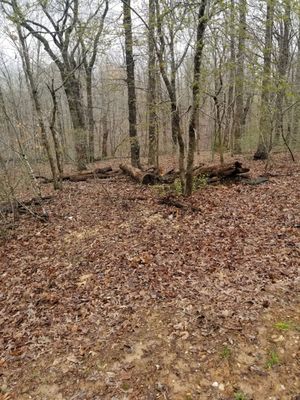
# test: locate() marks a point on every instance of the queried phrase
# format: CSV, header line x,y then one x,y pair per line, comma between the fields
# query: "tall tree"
x,y
134,143
265,123
296,116
38,108
89,39
152,131
170,83
57,33
201,25
230,96
239,119
282,67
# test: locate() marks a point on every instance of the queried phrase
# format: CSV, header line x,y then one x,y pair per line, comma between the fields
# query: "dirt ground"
x,y
119,297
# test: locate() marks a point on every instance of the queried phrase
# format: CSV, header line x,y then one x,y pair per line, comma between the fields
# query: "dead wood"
x,y
255,181
103,170
98,173
24,207
144,177
221,171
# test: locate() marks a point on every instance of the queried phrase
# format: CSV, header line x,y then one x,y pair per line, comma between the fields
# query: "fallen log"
x,y
221,171
143,177
103,170
90,175
99,173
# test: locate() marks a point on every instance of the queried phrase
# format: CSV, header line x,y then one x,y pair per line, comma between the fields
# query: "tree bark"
x,y
239,119
265,123
105,134
171,89
73,92
88,66
295,136
202,21
146,178
132,115
230,102
90,115
56,140
152,128
282,69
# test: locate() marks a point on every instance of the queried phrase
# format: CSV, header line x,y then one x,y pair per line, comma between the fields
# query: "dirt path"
x,y
118,297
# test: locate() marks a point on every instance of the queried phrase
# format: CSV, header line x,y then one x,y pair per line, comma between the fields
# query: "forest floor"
x,y
119,297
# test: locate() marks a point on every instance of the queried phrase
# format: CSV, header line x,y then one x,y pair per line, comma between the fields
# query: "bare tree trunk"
x,y
88,66
295,137
35,98
152,129
56,139
105,135
239,81
171,89
73,92
134,143
282,71
265,123
230,100
90,115
202,21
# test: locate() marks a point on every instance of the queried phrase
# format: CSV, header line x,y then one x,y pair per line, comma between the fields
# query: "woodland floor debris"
x,y
120,297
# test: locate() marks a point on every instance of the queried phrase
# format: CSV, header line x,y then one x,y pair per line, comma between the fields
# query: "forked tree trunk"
x,y
38,108
132,116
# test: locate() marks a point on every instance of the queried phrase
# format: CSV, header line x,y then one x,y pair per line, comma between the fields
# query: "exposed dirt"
x,y
120,297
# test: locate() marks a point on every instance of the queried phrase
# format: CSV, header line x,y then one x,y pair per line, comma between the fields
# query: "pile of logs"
x,y
152,176
212,174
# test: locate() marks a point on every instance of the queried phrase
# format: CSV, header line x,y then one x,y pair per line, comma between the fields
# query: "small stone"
x,y
221,387
215,384
226,313
278,339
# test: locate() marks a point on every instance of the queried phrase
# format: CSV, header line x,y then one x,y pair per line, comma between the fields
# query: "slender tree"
x,y
152,125
57,33
296,116
265,123
201,25
239,118
89,39
170,83
282,68
35,98
132,115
